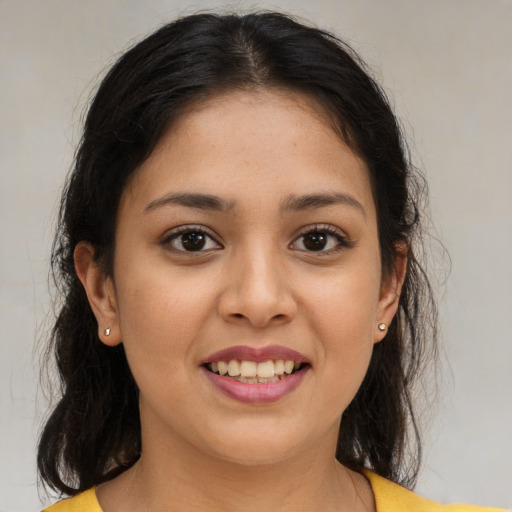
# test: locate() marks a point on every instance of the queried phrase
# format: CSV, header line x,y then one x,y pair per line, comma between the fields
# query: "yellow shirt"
x,y
389,497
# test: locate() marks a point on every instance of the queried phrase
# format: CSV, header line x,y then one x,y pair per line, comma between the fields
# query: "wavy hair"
x,y
93,434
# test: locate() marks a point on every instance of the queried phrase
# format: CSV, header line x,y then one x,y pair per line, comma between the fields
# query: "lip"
x,y
257,354
256,393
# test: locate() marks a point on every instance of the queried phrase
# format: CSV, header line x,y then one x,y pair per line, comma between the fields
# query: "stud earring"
x,y
382,326
107,331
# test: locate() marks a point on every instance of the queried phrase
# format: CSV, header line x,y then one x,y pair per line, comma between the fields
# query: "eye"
x,y
322,239
191,239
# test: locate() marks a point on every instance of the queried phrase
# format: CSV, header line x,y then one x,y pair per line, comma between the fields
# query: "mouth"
x,y
256,375
256,372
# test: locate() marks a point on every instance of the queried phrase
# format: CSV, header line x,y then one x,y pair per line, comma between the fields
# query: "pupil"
x,y
315,241
193,241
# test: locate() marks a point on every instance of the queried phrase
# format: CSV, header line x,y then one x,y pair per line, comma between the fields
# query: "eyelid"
x,y
186,228
344,241
340,235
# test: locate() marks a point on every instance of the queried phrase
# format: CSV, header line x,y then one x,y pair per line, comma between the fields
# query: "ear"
x,y
391,288
100,292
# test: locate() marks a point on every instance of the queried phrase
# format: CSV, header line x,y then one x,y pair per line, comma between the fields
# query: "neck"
x,y
178,477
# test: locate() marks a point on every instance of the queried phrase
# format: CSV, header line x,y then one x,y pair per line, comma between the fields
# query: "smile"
x,y
256,375
253,372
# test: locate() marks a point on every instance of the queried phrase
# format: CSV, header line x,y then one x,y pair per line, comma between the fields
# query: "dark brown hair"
x,y
93,433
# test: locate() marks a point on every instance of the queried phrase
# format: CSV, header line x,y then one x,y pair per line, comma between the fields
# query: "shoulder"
x,y
391,497
83,502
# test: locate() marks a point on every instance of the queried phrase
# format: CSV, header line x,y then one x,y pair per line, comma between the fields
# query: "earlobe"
x,y
390,293
100,291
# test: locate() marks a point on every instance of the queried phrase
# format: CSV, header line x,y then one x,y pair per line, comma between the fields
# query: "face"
x,y
247,243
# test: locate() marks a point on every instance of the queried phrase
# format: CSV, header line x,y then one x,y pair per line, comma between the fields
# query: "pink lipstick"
x,y
270,352
256,375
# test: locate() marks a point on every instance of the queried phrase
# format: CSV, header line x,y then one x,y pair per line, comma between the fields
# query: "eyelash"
x,y
322,229
182,230
342,241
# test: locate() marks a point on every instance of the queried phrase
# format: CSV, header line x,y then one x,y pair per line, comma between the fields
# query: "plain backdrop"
x,y
447,65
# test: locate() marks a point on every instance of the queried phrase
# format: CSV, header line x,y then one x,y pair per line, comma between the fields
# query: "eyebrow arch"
x,y
214,203
312,201
191,200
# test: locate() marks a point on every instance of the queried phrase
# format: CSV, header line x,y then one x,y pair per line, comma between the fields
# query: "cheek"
x,y
160,315
342,313
345,303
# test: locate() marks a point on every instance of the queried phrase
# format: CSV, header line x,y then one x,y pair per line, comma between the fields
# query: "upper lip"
x,y
257,354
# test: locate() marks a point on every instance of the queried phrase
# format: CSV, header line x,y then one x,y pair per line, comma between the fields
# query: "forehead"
x,y
260,144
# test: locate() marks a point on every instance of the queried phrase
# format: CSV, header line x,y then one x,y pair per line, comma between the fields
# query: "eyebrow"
x,y
191,200
292,202
313,201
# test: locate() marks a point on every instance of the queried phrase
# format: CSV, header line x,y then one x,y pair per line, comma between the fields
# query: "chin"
x,y
257,456
259,445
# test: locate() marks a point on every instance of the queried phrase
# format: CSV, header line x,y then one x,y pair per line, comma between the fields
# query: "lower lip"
x,y
256,393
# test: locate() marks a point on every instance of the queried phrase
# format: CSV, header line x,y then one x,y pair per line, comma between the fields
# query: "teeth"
x,y
248,369
288,367
266,369
257,380
222,366
251,371
233,368
249,380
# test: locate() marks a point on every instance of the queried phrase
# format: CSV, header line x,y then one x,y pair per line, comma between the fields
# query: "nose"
x,y
258,292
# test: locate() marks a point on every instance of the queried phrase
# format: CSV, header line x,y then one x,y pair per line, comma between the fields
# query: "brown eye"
x,y
315,241
191,240
321,239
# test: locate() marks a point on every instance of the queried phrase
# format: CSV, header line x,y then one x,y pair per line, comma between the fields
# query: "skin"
x,y
254,283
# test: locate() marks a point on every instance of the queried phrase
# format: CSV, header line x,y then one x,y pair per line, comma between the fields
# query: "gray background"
x,y
448,68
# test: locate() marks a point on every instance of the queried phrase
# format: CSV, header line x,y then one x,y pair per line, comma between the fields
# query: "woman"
x,y
243,313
